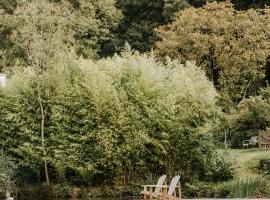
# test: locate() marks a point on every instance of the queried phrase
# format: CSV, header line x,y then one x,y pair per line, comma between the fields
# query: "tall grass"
x,y
246,187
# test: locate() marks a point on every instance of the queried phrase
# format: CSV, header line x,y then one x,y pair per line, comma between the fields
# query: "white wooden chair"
x,y
253,141
154,191
174,191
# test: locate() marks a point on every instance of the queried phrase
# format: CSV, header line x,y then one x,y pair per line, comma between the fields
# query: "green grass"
x,y
247,181
246,161
247,187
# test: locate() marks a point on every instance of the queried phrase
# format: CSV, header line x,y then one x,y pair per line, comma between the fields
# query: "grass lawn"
x,y
247,181
246,161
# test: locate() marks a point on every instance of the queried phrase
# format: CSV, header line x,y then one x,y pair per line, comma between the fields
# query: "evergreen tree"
x,y
140,18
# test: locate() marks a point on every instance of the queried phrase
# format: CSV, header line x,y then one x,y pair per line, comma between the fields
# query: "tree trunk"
x,y
43,147
42,127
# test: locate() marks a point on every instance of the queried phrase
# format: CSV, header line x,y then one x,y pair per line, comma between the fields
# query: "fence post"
x,y
260,140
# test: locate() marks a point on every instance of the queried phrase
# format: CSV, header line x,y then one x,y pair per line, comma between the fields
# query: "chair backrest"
x,y
160,182
253,140
173,184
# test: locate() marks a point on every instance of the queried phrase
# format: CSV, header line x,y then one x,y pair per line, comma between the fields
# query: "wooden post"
x,y
260,140
151,194
225,141
144,197
180,190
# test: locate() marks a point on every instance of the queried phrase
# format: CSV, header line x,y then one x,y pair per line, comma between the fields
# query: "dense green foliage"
x,y
247,187
41,27
246,4
251,116
252,187
101,27
141,17
264,167
231,46
125,114
7,175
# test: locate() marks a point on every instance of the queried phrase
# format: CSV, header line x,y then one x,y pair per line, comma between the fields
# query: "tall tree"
x,y
86,26
246,4
10,52
43,31
95,25
140,18
231,46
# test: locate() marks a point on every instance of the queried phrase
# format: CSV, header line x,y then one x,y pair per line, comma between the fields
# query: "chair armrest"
x,y
148,185
153,186
164,186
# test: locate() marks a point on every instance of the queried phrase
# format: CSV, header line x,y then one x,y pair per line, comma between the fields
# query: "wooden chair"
x,y
149,189
253,141
172,193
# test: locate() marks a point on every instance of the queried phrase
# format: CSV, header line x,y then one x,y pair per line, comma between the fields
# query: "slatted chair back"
x,y
253,140
173,185
160,182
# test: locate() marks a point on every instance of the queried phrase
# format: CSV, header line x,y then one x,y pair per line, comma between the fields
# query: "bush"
x,y
7,172
264,166
122,116
248,187
251,116
200,189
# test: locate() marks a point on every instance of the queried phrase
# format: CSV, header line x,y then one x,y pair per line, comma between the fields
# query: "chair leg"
x,y
180,191
144,197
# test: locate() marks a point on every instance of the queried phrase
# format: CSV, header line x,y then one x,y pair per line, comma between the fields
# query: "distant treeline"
x,y
105,25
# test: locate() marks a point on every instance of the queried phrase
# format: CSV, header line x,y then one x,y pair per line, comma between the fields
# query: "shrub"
x,y
264,166
248,187
200,189
122,116
7,172
251,116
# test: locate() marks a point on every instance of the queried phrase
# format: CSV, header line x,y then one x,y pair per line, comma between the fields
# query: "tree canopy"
x,y
231,46
40,27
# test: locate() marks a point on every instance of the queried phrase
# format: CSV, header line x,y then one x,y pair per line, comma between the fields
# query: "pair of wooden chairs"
x,y
161,191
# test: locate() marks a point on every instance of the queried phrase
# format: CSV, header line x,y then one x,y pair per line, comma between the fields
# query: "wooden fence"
x,y
264,140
